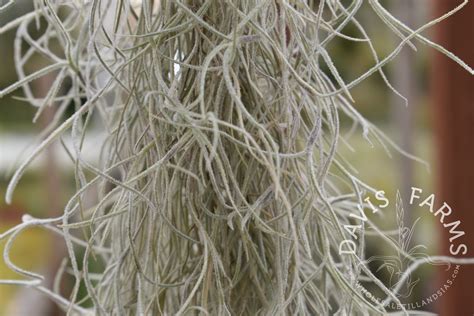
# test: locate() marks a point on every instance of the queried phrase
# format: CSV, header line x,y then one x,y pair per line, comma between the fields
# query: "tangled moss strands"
x,y
223,128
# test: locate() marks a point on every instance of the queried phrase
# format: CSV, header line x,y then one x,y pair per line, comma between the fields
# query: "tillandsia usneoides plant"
x,y
220,187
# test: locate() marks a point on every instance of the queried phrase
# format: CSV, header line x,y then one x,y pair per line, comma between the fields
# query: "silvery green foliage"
x,y
224,131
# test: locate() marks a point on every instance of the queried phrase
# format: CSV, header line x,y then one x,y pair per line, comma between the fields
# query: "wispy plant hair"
x,y
220,185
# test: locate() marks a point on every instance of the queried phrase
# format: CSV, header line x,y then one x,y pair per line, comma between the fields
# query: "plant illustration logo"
x,y
392,265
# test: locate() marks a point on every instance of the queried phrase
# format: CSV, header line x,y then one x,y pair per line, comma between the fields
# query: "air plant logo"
x,y
395,265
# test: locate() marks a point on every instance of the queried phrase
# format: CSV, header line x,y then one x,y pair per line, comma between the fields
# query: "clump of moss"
x,y
220,189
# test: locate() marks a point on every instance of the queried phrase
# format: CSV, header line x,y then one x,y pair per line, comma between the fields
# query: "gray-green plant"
x,y
220,188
